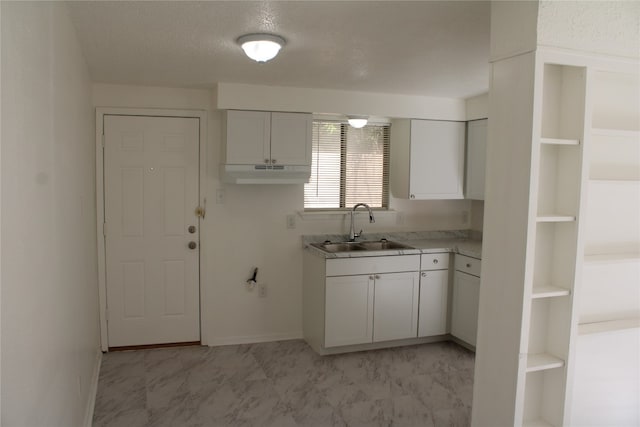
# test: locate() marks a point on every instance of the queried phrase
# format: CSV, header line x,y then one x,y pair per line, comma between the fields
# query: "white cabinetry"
x,y
262,137
427,159
350,301
434,290
396,306
476,159
349,310
466,292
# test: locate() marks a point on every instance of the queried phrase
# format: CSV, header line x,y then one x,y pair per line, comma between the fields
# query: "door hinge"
x,y
106,314
103,140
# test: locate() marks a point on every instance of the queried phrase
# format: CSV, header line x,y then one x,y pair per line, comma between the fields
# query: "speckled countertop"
x,y
463,242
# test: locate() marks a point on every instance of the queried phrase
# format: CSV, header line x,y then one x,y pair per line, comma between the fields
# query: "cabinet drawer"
x,y
468,265
371,265
434,261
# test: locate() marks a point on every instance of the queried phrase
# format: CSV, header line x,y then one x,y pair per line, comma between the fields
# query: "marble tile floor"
x,y
284,384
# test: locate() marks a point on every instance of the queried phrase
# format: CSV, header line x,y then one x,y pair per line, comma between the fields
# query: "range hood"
x,y
265,174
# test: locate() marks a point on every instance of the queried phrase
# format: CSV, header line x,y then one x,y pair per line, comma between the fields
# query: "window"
x,y
348,166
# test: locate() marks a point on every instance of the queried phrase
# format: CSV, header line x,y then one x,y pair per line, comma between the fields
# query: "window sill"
x,y
324,215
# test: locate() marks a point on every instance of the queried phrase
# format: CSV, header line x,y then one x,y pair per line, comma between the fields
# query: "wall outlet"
x,y
465,217
262,290
291,221
219,196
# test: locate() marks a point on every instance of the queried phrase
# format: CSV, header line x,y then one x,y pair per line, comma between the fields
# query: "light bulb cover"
x,y
261,47
358,121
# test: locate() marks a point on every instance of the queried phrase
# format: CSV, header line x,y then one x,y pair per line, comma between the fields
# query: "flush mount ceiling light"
x,y
357,121
261,47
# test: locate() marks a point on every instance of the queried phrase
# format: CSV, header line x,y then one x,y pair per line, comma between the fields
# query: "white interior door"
x,y
151,196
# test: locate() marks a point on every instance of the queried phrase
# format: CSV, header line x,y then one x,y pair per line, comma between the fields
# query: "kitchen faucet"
x,y
352,233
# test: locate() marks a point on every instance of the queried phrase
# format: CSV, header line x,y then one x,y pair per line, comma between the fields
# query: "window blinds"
x,y
349,166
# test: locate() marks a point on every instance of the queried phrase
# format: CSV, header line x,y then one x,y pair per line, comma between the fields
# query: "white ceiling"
x,y
414,47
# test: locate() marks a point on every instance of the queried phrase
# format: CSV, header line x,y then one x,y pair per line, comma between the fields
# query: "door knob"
x,y
192,229
192,245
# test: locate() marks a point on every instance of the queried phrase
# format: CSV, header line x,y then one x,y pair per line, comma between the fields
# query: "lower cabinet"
x,y
371,308
396,306
466,292
349,310
434,290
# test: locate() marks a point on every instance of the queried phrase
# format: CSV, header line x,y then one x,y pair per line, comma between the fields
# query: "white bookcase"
x,y
556,193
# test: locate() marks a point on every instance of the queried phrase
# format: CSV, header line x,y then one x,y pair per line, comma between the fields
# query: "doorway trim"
x,y
202,191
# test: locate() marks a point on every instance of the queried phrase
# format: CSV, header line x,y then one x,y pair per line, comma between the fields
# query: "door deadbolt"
x,y
192,245
192,229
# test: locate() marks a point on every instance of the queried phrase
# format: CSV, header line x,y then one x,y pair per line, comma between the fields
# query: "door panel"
x,y
349,310
151,193
396,306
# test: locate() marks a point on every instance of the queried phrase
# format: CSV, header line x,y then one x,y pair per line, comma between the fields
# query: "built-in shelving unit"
x,y
556,188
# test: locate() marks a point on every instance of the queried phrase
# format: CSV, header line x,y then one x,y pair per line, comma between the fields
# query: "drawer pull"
x,y
377,276
371,277
435,261
468,265
424,274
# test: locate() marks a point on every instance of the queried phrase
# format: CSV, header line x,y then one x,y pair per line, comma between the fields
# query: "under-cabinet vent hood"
x,y
265,174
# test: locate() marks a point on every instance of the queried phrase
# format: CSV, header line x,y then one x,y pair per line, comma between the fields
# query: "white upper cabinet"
x,y
427,159
291,138
259,137
476,158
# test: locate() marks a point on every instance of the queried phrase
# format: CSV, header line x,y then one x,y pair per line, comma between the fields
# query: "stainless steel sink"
x,y
382,245
379,245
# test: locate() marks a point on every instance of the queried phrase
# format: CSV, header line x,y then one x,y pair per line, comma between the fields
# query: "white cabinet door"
x,y
396,306
348,310
436,160
476,158
290,138
464,316
248,137
433,303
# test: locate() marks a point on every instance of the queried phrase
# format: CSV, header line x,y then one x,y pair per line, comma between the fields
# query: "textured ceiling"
x,y
415,47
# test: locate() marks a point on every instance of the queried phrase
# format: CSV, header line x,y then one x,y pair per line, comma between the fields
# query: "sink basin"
x,y
379,245
340,247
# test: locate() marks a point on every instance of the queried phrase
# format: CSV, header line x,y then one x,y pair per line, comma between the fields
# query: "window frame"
x,y
386,164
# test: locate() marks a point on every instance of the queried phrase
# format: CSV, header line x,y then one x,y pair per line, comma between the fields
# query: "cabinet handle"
x,y
377,276
435,261
468,265
266,160
371,277
424,274
273,161
412,196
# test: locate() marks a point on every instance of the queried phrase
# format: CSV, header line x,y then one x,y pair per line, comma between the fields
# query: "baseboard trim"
x,y
93,391
253,339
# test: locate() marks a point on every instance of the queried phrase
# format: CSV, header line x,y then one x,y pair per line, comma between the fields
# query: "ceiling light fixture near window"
x,y
357,121
261,47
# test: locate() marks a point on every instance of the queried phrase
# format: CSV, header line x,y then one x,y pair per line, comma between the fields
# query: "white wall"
x,y
49,275
249,230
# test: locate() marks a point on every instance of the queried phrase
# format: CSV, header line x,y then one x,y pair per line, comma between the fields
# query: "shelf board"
x,y
608,326
536,423
631,134
549,292
542,362
555,218
612,257
559,141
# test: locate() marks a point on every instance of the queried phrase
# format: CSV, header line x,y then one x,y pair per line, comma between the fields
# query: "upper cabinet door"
x,y
248,137
436,160
476,158
291,138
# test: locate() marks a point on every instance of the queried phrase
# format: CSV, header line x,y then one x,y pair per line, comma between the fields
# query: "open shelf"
x,y
555,218
558,181
549,292
545,397
611,257
615,155
608,326
536,423
559,141
543,361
